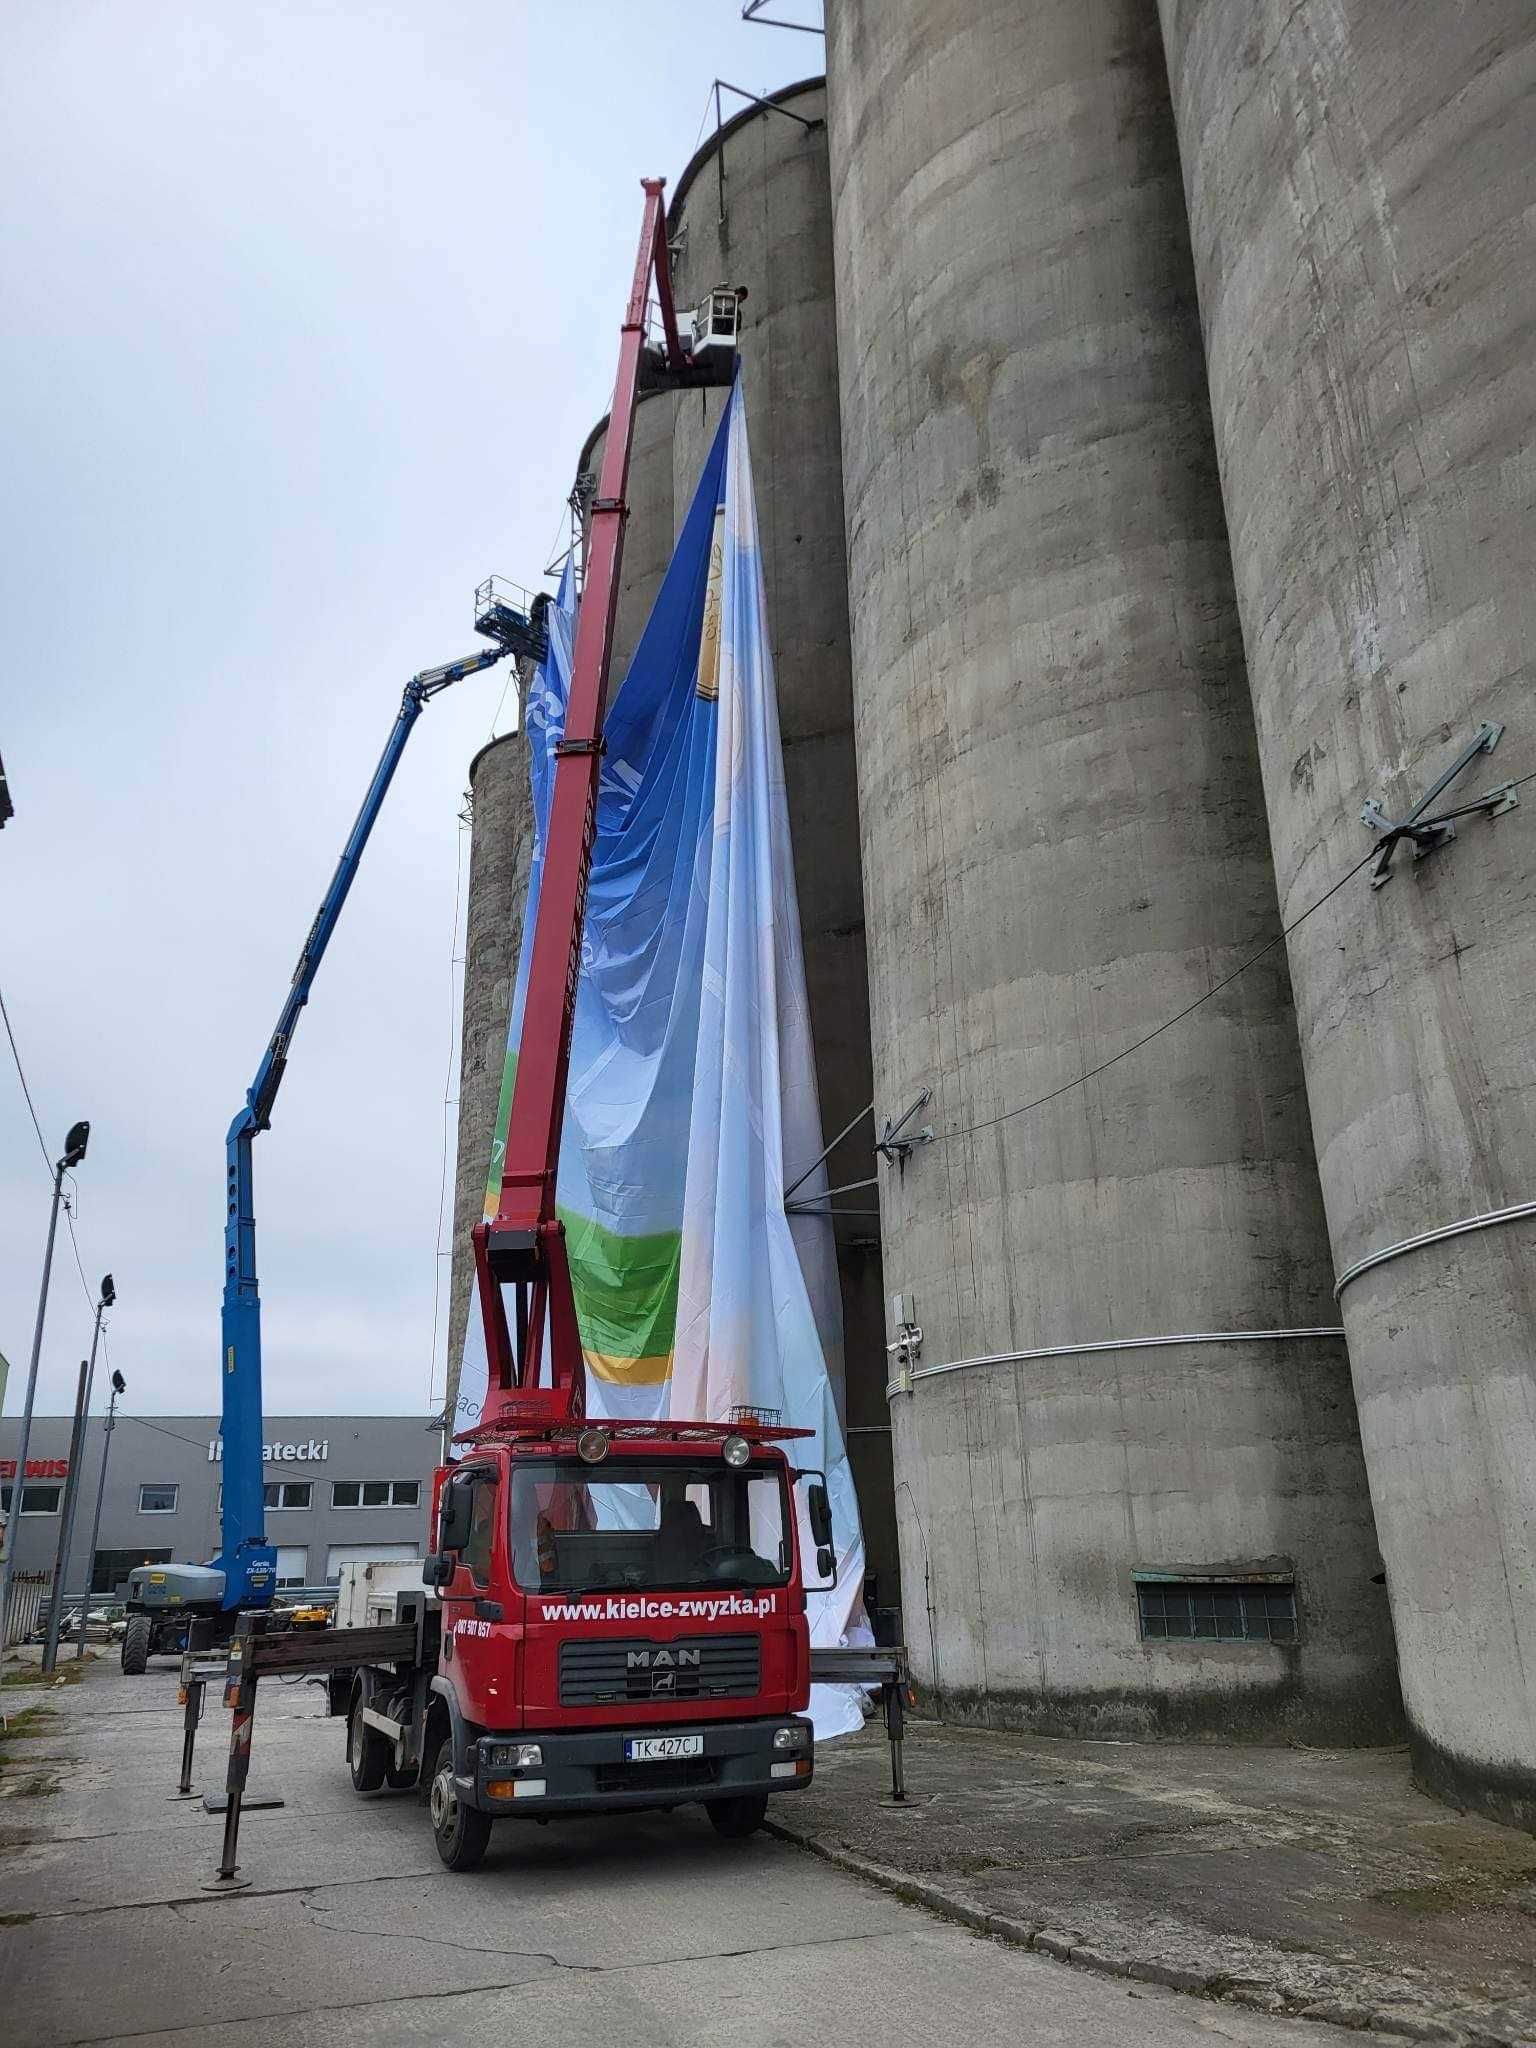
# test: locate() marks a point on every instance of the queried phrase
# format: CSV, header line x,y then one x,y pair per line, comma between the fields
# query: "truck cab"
x,y
622,1625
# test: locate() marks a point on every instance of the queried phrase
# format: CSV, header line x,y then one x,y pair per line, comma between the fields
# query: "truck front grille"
x,y
672,1775
601,1673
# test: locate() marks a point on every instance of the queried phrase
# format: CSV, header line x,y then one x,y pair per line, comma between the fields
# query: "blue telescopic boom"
x,y
247,1560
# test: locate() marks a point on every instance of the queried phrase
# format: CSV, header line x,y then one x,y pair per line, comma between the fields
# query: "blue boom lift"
x,y
164,1599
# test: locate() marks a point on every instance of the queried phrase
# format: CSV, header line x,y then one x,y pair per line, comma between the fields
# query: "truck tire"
x,y
740,1816
136,1642
461,1832
368,1754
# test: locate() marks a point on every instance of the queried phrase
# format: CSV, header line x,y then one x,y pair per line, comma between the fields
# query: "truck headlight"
x,y
736,1451
512,1756
794,1737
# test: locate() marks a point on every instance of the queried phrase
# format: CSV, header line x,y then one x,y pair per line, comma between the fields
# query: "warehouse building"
x,y
338,1487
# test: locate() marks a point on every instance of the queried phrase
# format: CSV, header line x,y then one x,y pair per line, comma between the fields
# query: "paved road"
x,y
641,1931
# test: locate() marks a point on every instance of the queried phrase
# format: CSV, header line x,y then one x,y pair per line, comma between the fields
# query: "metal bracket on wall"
x,y
896,1150
769,106
1427,830
752,10
907,1348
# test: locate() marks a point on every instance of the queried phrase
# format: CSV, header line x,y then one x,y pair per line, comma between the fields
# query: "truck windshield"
x,y
662,1524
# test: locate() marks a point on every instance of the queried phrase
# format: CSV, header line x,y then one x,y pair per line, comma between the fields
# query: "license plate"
x,y
654,1749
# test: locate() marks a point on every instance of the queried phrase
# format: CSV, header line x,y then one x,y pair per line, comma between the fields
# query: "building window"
x,y
35,1500
292,1565
376,1493
279,1493
1223,1611
157,1500
110,1570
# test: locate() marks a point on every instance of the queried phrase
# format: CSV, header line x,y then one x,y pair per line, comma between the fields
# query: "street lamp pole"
x,y
105,1300
119,1386
74,1152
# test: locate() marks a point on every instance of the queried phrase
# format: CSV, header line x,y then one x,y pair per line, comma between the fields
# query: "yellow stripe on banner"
x,y
709,634
654,1371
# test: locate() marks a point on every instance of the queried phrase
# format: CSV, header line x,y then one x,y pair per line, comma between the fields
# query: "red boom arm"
x,y
523,1245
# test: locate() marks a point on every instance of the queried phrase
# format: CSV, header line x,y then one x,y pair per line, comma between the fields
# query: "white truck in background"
x,y
365,1591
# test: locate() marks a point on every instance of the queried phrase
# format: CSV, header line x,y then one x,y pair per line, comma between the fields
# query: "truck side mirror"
x,y
455,1513
819,1513
438,1569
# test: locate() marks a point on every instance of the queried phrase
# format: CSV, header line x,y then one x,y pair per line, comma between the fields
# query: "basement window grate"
x,y
1234,1611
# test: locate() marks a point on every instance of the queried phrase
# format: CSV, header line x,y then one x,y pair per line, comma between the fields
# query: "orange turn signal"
x,y
501,1788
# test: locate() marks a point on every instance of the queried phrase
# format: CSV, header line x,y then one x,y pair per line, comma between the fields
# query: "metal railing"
x,y
24,1604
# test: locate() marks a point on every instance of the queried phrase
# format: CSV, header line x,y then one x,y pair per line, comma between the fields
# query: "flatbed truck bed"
x,y
411,1642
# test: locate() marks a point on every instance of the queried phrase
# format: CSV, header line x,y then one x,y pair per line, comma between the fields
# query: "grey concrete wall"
x,y
1063,844
1361,184
500,850
767,224
772,232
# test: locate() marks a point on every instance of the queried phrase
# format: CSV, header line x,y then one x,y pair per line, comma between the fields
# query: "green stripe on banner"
x,y
625,1288
499,1134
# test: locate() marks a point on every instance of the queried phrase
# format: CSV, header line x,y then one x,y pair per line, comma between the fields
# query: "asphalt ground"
x,y
633,1930
1306,1881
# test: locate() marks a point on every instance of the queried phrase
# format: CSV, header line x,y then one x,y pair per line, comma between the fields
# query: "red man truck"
x,y
621,1624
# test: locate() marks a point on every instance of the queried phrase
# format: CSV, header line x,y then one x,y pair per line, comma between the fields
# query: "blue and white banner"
x,y
692,1100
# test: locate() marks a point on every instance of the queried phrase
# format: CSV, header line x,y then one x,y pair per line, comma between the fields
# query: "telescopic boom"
x,y
522,1247
247,1560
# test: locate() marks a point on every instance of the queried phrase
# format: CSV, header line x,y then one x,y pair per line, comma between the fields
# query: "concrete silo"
x,y
753,208
500,848
1361,184
1064,845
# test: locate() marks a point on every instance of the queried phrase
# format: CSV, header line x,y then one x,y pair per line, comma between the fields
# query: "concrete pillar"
x,y
753,208
500,849
1361,186
1064,844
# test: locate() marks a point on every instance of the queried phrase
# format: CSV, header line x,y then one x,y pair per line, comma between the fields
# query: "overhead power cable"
x,y
42,1142
160,1430
42,1146
1023,1109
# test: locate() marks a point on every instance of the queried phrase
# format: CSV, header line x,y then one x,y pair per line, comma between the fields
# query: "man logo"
x,y
663,1658
663,1661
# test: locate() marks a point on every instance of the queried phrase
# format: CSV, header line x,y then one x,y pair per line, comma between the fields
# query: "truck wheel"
x,y
368,1754
743,1815
136,1639
461,1832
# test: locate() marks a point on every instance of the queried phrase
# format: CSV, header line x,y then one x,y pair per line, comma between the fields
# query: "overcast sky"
x,y
305,310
